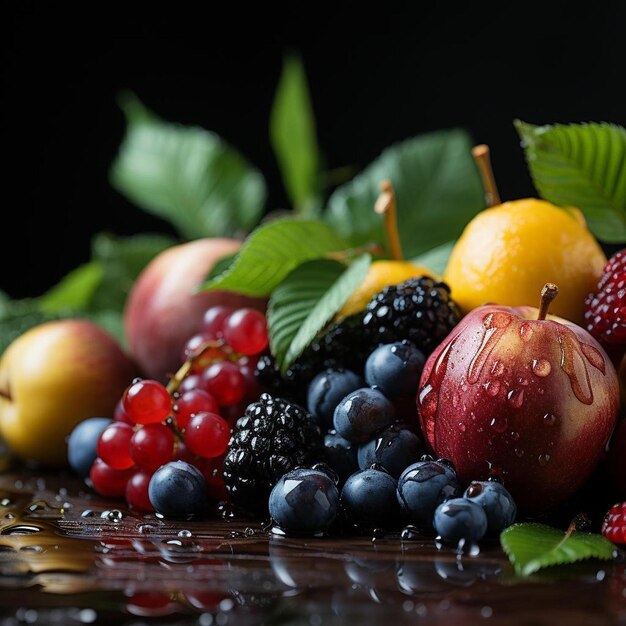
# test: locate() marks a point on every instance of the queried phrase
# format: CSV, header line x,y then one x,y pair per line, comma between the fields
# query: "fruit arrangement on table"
x,y
327,385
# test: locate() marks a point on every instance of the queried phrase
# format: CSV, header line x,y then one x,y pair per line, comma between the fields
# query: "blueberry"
x,y
496,501
460,518
82,444
178,489
304,501
422,487
362,414
369,499
341,455
327,389
395,368
395,449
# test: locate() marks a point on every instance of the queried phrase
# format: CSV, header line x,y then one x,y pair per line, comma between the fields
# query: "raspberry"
x,y
614,524
605,310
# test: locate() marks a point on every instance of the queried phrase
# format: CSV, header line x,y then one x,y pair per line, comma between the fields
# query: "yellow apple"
x,y
52,377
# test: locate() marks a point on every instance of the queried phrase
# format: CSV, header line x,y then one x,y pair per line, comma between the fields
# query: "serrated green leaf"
x,y
76,289
272,251
186,175
437,186
532,546
437,258
581,165
292,132
306,301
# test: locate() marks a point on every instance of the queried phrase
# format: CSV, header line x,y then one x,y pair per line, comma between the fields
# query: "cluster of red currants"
x,y
188,419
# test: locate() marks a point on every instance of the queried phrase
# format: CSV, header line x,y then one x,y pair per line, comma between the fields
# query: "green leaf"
x,y
76,289
186,175
272,251
292,132
306,301
532,546
437,186
437,258
584,166
221,266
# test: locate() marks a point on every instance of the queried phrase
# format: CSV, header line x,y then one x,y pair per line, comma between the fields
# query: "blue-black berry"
x,y
395,449
395,368
327,389
178,489
460,518
496,501
362,414
368,499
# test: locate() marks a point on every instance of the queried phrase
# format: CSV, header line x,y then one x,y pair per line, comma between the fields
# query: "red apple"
x,y
163,311
511,393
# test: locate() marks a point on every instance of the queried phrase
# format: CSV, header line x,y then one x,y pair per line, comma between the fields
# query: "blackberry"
x,y
272,438
418,309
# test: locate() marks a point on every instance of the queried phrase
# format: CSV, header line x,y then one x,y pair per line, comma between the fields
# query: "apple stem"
x,y
548,293
386,206
481,154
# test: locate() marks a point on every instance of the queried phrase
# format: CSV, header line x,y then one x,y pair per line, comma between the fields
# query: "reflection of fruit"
x,y
52,377
380,275
511,392
162,311
507,253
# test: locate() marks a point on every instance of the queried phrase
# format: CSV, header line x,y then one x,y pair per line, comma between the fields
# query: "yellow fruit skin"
x,y
52,377
508,252
379,275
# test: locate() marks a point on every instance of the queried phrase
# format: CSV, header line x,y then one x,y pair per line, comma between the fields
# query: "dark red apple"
x,y
513,394
163,310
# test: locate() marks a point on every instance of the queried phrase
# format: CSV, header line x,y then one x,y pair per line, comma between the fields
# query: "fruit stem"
x,y
185,368
344,255
548,293
386,206
482,158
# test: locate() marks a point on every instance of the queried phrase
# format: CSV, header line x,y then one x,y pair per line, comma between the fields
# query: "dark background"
x,y
375,78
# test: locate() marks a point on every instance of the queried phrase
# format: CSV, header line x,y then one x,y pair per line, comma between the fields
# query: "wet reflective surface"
x,y
68,557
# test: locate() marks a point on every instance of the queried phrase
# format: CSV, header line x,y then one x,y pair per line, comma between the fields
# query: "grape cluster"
x,y
188,420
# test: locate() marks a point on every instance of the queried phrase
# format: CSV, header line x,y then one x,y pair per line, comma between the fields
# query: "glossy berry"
x,y
109,482
304,501
119,415
422,487
225,383
362,414
368,499
137,492
247,367
394,449
605,309
341,455
189,383
207,435
614,523
192,402
152,446
496,501
460,518
245,331
327,390
147,402
395,369
213,321
82,444
178,489
114,446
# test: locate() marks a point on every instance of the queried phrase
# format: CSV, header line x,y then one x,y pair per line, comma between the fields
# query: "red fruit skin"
x,y
486,390
163,311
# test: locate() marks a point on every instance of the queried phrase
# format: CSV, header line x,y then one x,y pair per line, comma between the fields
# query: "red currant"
x,y
147,402
210,354
114,446
190,382
247,366
225,383
119,414
213,321
192,402
152,446
245,331
109,482
207,435
137,492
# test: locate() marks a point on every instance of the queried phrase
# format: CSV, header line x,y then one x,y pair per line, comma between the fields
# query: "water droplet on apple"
x,y
516,398
456,399
549,419
523,381
428,401
497,319
499,424
519,452
514,435
492,388
525,331
541,367
497,369
462,427
544,459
